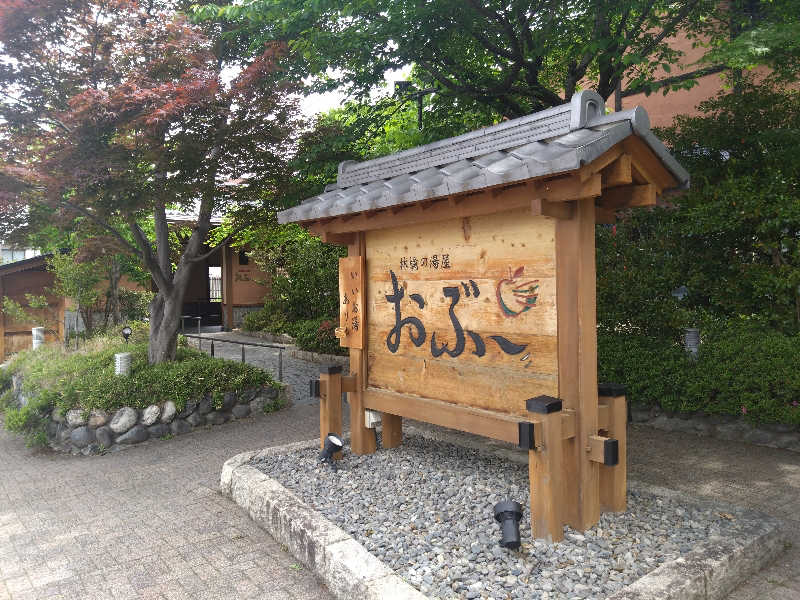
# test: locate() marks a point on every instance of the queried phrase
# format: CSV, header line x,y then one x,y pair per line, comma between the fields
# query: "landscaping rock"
x,y
135,436
217,417
123,420
158,430
76,418
52,429
190,407
240,411
195,419
64,434
93,448
57,415
205,406
169,412
150,415
247,396
257,405
228,400
98,418
82,436
270,392
104,437
179,427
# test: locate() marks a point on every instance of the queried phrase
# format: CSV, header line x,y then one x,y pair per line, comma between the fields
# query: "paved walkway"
x,y
144,523
149,523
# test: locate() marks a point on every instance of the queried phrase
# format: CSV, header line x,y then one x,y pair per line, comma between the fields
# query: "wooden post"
x,y
392,430
577,359
613,480
546,471
330,405
362,439
227,287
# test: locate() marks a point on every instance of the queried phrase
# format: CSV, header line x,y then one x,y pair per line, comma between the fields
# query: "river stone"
x,y
195,419
98,418
76,418
246,396
57,415
257,405
179,427
158,430
124,419
82,436
270,392
52,429
228,400
135,436
217,417
104,437
64,434
169,412
205,406
150,415
190,407
240,411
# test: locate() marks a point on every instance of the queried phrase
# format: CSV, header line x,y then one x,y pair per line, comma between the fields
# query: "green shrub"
x,y
30,420
269,319
317,335
135,304
743,368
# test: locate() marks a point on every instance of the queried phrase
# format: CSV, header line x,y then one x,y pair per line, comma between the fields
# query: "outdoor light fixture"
x,y
333,444
508,513
126,333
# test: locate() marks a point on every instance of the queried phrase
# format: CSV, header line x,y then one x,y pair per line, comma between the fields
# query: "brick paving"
x,y
144,523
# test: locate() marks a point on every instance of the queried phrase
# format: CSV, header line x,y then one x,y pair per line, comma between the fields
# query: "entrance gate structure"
x,y
467,298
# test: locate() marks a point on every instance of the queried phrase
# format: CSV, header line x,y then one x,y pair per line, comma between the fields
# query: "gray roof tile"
x,y
556,140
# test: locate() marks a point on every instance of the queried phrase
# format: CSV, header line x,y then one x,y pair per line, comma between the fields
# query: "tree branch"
x,y
97,220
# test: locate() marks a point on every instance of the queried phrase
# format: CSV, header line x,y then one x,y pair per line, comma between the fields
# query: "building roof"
x,y
552,141
27,264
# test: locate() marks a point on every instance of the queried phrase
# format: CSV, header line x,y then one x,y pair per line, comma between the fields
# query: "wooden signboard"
x,y
351,302
464,310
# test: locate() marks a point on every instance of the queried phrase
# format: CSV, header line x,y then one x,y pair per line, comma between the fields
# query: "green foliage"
x,y
317,335
75,280
743,368
30,420
135,304
85,379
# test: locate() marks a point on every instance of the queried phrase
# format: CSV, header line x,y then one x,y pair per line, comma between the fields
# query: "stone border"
x,y
724,427
343,564
315,357
709,572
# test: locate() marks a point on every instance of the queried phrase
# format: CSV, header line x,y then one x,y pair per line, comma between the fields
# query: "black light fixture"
x,y
126,333
406,89
333,444
508,513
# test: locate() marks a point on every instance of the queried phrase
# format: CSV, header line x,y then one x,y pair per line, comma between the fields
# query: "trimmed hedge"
x,y
312,335
743,368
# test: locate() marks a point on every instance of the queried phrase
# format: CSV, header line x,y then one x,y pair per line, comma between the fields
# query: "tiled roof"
x,y
549,142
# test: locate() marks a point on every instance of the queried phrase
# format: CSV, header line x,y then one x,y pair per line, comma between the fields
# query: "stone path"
x,y
149,523
144,523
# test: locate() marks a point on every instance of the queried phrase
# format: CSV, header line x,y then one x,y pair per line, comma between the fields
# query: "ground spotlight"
x,y
508,513
126,333
333,444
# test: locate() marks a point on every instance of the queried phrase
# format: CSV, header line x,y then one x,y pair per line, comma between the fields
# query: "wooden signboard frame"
x,y
573,430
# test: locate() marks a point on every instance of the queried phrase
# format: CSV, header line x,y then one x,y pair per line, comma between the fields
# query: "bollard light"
x,y
333,444
508,513
126,333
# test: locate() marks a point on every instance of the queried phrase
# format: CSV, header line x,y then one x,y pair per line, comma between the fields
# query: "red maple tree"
x,y
117,110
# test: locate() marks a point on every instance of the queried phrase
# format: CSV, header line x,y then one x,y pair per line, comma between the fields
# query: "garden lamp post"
x,y
126,333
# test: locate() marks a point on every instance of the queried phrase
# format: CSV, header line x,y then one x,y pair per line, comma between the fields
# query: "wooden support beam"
x,y
392,430
613,479
349,383
603,450
557,210
618,172
600,163
569,188
330,405
568,423
628,196
647,168
602,416
545,471
338,239
604,216
362,439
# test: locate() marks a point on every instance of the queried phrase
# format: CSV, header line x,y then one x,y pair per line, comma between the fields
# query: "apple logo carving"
x,y
515,298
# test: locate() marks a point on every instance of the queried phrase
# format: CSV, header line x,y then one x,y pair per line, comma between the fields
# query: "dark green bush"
x,y
30,420
743,368
317,335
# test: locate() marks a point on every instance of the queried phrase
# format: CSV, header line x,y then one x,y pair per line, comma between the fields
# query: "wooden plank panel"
x,y
613,480
545,472
351,302
476,299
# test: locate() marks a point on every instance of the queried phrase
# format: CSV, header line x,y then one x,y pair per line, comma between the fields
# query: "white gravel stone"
x,y
425,509
76,417
168,413
150,415
123,420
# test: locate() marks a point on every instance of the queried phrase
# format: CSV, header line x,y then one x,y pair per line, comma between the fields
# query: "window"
x,y
10,255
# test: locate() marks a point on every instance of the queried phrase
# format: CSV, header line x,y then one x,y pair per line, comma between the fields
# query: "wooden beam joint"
x,y
603,450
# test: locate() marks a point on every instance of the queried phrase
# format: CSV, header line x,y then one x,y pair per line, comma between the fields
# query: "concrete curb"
x,y
319,358
344,565
709,572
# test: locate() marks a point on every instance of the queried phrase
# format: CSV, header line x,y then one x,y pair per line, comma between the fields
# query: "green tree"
x,y
516,57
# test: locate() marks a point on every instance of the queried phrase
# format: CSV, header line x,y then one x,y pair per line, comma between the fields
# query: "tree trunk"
x,y
113,291
165,316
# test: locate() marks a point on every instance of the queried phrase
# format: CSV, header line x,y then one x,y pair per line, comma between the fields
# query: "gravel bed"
x,y
425,509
